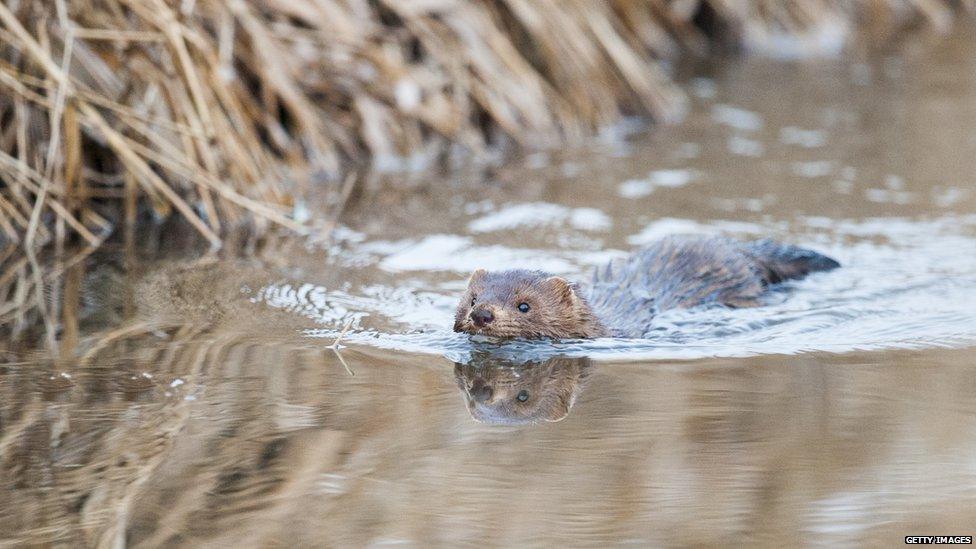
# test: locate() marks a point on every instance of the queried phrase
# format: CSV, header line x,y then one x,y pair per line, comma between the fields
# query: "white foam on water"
x,y
537,214
904,284
737,118
791,135
638,188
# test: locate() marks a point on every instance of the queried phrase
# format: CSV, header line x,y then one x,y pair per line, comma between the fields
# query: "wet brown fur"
x,y
624,296
556,307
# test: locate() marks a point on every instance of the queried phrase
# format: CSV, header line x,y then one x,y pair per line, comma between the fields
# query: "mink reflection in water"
x,y
502,391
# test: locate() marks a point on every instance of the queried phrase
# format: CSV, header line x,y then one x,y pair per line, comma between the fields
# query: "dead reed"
x,y
224,111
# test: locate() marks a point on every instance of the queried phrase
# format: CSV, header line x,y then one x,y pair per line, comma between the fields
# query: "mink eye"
x,y
472,301
522,396
523,307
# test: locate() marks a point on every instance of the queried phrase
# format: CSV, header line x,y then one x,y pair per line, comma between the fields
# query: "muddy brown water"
x,y
204,405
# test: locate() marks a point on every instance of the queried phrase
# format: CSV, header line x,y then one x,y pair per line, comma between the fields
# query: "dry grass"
x,y
223,111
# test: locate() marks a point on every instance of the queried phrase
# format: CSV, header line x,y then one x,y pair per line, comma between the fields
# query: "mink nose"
x,y
480,391
481,317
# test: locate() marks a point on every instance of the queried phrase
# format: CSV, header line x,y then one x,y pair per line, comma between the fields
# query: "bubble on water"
x,y
688,151
483,206
814,169
737,118
537,161
742,146
704,88
638,188
589,219
841,186
570,169
791,135
894,182
948,197
635,188
888,196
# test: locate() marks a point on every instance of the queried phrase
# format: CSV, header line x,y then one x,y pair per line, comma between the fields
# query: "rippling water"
x,y
905,284
205,402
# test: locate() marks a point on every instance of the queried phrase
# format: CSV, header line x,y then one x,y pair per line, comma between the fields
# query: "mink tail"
x,y
778,262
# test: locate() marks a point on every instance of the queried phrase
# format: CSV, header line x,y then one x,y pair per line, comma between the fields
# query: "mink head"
x,y
526,304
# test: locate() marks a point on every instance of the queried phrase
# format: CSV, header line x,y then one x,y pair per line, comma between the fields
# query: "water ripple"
x,y
904,284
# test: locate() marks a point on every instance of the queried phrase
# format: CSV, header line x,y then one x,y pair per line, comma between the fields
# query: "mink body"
x,y
623,298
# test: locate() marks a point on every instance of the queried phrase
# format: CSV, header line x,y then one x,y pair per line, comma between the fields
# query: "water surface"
x,y
204,404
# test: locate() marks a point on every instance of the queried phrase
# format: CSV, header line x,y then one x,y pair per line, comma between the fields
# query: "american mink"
x,y
624,296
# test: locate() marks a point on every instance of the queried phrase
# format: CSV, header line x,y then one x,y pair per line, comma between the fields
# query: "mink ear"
x,y
561,287
477,275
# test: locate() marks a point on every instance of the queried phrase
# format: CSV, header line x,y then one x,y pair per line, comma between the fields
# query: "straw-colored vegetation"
x,y
224,111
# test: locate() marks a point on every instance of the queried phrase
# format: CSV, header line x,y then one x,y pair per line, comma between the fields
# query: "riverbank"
x,y
227,114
